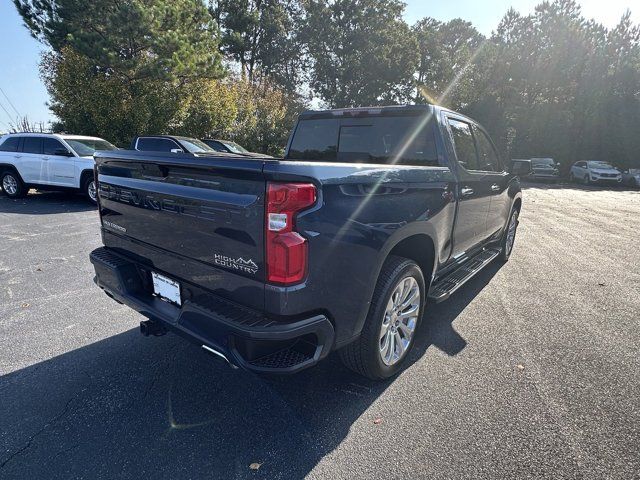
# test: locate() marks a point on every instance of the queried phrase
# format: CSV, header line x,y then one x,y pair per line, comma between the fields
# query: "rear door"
x,y
498,179
474,195
33,167
62,168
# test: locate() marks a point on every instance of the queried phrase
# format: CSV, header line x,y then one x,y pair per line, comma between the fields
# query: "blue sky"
x,y
20,53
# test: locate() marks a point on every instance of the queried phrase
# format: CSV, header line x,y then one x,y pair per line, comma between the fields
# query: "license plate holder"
x,y
166,288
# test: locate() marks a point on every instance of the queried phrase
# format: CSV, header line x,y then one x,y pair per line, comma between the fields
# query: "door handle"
x,y
17,156
466,191
45,158
495,187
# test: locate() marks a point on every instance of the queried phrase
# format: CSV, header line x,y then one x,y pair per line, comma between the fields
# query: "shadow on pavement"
x,y
45,203
133,407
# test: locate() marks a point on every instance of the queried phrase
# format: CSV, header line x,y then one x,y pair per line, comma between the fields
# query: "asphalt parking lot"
x,y
531,371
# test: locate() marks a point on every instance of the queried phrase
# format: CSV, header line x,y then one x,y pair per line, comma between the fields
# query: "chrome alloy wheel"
x,y
91,190
511,232
10,184
400,320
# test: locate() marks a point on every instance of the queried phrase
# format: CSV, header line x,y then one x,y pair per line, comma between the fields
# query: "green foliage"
x,y
546,84
362,52
91,102
553,84
136,39
263,37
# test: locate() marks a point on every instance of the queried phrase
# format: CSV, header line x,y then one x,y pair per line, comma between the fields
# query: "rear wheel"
x,y
572,177
12,185
394,316
509,237
89,188
585,180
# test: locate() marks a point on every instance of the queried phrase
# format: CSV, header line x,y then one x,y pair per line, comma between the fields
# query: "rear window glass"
x,y
406,140
10,144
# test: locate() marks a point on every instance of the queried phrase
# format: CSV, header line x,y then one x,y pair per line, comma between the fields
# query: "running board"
x,y
443,288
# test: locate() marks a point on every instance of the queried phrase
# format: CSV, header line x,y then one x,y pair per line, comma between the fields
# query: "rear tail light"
x,y
286,249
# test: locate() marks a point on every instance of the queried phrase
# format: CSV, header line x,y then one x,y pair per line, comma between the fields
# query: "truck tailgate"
x,y
196,219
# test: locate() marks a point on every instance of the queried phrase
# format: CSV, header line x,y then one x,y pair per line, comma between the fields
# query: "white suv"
x,y
594,171
48,162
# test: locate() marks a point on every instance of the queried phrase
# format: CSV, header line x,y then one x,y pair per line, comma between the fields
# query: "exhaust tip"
x,y
220,355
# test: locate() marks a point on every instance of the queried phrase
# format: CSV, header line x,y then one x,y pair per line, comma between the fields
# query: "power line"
x,y
5,111
10,102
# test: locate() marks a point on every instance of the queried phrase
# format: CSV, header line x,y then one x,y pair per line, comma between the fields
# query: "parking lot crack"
x,y
33,437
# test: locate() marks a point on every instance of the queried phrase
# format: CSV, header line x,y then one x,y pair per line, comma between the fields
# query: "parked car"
x,y
169,144
544,169
48,162
592,171
631,177
227,146
271,264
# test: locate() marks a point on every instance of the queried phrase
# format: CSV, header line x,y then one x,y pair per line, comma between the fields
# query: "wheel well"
x,y
517,204
420,249
10,168
84,175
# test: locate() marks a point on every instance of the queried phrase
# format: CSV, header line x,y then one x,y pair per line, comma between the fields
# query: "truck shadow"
x,y
131,407
45,203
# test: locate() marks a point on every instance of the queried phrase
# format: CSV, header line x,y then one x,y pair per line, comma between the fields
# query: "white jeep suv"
x,y
48,162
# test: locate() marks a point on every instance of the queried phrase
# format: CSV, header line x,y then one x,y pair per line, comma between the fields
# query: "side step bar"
x,y
444,287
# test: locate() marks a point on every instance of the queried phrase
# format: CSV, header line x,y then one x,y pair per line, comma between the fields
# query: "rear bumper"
x,y
247,338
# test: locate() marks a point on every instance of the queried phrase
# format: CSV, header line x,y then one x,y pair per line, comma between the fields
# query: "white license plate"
x,y
166,288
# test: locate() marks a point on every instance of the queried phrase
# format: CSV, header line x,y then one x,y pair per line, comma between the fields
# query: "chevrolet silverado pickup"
x,y
271,264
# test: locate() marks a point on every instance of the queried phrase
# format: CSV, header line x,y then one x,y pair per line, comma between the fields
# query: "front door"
x,y
474,194
62,168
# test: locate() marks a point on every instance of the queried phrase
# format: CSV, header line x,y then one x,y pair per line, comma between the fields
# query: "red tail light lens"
x,y
286,249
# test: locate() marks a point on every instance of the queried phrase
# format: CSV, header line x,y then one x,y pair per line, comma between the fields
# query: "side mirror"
x,y
62,152
177,150
521,168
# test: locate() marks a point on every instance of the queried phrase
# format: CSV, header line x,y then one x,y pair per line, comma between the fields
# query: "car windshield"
x,y
234,147
634,171
600,165
86,147
195,146
543,162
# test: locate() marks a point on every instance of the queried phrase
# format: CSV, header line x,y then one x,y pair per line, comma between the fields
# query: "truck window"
x,y
408,140
489,160
464,144
315,140
150,144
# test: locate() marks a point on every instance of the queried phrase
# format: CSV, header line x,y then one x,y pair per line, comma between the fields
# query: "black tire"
x,y
572,178
87,182
586,181
19,189
506,249
363,356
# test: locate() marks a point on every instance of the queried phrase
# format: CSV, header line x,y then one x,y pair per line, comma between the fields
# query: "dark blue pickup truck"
x,y
270,264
